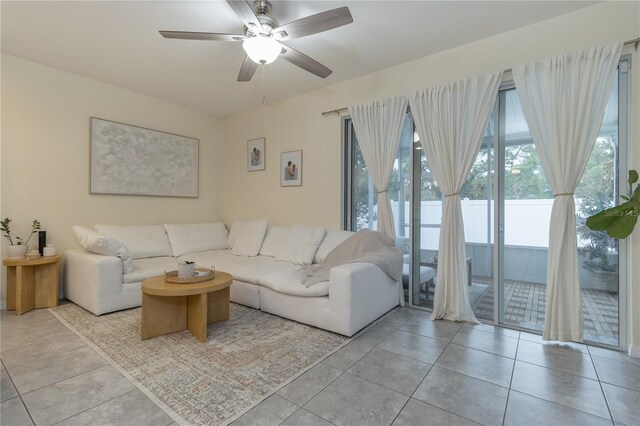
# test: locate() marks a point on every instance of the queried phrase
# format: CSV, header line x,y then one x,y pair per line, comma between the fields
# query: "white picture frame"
x,y
133,160
256,155
291,168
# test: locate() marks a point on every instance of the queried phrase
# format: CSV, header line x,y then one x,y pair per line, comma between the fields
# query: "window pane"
x,y
477,212
363,194
598,253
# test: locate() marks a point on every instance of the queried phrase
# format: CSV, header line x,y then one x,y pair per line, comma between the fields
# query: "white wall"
x,y
45,153
297,123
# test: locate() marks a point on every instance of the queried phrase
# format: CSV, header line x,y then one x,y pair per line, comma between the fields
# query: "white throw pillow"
x,y
196,237
301,245
273,240
332,240
106,246
142,241
246,236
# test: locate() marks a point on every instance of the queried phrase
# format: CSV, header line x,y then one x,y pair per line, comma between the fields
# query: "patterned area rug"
x,y
245,359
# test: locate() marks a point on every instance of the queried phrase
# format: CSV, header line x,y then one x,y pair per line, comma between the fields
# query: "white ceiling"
x,y
117,42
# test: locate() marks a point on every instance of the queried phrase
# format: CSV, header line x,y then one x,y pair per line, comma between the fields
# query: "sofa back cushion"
x,y
142,241
196,237
300,245
101,244
246,236
273,240
332,240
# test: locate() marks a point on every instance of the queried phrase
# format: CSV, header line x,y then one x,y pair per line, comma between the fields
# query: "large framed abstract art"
x,y
132,160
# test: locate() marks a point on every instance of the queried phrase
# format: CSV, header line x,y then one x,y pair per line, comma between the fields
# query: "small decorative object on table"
x,y
173,277
17,249
49,250
33,254
42,241
186,269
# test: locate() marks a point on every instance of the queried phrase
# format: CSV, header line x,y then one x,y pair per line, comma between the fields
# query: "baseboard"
x,y
634,351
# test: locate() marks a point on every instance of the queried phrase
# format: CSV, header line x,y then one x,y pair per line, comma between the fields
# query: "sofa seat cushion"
x,y
150,267
242,268
285,278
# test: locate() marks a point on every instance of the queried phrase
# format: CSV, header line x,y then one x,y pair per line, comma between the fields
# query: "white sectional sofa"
x,y
266,261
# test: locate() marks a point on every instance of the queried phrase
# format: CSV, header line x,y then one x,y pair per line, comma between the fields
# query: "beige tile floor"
x,y
405,370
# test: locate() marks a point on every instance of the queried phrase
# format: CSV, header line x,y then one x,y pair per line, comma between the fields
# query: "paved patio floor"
x,y
526,302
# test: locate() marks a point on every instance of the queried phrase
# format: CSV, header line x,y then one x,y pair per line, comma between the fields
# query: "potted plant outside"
x,y
599,225
17,247
619,221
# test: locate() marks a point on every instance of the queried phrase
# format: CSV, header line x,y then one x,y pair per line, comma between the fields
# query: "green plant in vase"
x,y
17,246
5,227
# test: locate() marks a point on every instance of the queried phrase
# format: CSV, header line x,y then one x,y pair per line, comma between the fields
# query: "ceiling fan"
x,y
263,36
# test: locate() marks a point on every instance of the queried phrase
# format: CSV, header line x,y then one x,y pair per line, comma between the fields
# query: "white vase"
x,y
17,251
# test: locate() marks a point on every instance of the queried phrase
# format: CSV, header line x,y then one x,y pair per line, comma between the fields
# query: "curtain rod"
x,y
634,41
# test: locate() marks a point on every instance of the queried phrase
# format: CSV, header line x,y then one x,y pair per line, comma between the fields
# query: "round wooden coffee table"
x,y
167,308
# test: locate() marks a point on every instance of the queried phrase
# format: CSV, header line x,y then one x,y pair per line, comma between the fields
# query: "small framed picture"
x,y
255,155
291,168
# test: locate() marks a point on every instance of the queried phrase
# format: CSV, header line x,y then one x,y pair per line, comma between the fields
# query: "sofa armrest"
x,y
359,293
89,276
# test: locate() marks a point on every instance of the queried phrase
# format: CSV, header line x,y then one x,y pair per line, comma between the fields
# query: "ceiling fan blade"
x,y
314,24
247,69
245,13
189,35
305,62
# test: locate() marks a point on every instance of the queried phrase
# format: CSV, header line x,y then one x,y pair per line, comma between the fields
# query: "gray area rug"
x,y
245,359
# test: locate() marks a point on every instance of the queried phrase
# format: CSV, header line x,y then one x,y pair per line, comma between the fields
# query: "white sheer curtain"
x,y
378,127
451,121
563,99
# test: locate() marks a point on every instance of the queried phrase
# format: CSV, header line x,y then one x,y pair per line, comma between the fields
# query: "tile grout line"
x,y
425,377
554,402
604,395
557,369
376,346
302,408
482,350
513,369
19,396
63,380
164,407
343,372
95,406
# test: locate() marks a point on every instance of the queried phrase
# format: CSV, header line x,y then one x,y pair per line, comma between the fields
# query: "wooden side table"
x,y
167,308
32,283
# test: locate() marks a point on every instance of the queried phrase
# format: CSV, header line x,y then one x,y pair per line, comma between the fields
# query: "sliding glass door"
x,y
524,213
506,206
525,199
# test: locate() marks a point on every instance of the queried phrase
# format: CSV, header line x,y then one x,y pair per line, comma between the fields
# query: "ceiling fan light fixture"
x,y
262,50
